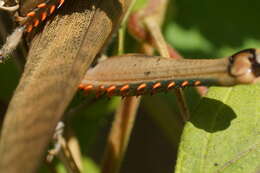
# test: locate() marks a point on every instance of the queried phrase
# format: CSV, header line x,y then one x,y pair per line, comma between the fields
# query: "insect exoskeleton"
x,y
32,13
245,66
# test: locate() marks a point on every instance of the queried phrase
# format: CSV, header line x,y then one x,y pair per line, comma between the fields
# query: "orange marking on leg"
x,y
81,86
61,3
29,28
44,15
52,9
197,83
31,14
100,91
42,5
184,83
111,90
171,85
141,88
124,89
88,87
36,23
101,87
155,87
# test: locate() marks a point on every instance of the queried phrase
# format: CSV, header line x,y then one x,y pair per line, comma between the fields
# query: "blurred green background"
x,y
197,29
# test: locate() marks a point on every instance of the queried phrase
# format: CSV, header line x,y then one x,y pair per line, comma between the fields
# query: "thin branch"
x,y
63,151
154,28
73,145
66,156
75,110
119,135
136,28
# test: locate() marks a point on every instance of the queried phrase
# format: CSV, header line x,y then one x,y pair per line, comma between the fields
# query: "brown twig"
x,y
83,105
122,126
157,38
73,145
66,156
119,135
21,51
162,47
63,151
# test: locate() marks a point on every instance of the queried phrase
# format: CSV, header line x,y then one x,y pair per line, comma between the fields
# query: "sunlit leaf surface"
x,y
223,133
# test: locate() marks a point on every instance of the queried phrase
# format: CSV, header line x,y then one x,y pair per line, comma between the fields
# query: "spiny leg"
x,y
27,23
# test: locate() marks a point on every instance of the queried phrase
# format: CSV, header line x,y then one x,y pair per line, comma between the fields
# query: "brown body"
x,y
144,74
134,69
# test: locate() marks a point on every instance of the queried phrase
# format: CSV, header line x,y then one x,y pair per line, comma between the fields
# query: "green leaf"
x,y
88,166
223,134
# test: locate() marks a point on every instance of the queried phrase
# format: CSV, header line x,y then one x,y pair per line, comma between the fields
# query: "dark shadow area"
x,y
112,8
212,115
3,108
149,149
219,21
78,6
